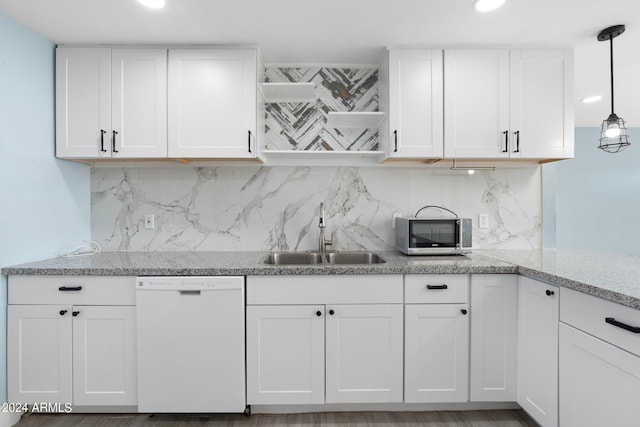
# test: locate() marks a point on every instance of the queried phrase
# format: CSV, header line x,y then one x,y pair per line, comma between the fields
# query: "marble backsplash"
x,y
276,208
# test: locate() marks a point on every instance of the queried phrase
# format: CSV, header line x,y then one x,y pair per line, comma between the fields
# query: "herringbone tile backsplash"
x,y
302,125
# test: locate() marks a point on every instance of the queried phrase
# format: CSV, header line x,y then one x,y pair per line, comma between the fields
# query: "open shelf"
x,y
355,120
322,157
288,92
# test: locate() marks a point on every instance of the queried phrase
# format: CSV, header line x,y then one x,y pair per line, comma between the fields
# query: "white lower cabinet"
x,y
76,352
538,311
285,354
436,338
364,353
334,351
599,362
599,383
494,305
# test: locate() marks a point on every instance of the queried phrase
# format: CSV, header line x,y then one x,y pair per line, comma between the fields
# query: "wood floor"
x,y
504,418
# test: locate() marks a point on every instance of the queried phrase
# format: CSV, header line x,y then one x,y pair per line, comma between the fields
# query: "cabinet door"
x,y
436,353
212,103
538,350
39,353
542,123
599,383
364,353
285,354
415,103
476,103
139,103
494,302
83,102
104,355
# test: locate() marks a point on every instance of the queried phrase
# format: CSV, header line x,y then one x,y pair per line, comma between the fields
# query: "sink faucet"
x,y
322,242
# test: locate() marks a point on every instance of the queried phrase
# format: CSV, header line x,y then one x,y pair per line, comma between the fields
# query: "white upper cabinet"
x,y
413,78
139,102
83,102
476,116
111,103
212,103
508,104
542,114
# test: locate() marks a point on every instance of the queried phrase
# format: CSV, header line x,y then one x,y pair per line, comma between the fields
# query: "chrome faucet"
x,y
322,242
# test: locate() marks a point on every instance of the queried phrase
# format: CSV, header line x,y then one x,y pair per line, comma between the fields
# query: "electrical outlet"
x,y
483,221
149,222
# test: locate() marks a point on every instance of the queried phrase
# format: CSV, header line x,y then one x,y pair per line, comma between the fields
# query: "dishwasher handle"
x,y
189,292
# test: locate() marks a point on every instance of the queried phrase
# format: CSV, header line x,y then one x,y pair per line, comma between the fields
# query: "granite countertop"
x,y
614,277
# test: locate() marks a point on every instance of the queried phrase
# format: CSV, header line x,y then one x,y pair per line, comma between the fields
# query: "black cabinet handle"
x,y
249,140
517,134
549,293
63,312
431,287
70,288
463,311
318,313
113,142
395,138
614,322
506,141
75,313
102,132
331,312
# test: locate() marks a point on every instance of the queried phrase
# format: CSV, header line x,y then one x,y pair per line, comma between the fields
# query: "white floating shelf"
x,y
288,92
355,120
321,157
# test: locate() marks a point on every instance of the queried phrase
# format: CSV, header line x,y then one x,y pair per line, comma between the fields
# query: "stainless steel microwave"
x,y
433,236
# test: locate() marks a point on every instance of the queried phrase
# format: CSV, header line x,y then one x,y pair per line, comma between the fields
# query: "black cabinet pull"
x,y
70,288
506,141
102,132
463,311
549,293
517,134
63,312
331,312
318,313
395,138
614,322
431,287
75,313
249,140
113,142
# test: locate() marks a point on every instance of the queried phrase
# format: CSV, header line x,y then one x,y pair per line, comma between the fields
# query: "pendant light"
x,y
613,135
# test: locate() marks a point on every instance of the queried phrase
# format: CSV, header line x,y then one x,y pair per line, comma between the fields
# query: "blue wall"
x,y
45,202
593,200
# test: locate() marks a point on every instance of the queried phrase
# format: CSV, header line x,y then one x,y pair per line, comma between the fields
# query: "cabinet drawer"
x,y
589,314
281,290
436,288
94,290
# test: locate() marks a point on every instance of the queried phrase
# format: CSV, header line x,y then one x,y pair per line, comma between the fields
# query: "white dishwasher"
x,y
191,347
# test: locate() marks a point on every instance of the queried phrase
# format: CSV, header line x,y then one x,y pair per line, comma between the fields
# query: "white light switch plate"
x,y
149,222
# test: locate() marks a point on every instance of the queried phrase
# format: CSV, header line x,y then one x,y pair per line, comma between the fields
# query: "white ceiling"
x,y
356,32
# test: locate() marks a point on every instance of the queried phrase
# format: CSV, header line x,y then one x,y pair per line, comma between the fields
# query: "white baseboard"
x,y
387,407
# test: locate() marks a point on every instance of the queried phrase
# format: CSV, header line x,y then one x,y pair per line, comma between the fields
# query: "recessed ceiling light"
x,y
591,99
152,4
487,5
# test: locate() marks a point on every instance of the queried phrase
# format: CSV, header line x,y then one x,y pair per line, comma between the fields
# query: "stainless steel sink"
x,y
292,258
353,258
312,258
